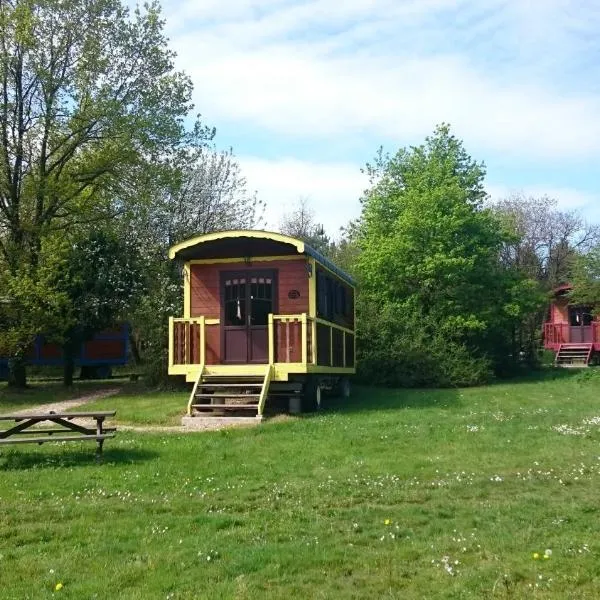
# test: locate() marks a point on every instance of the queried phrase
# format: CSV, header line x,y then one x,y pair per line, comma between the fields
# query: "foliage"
x,y
205,192
381,494
586,279
91,105
103,280
429,255
409,351
31,302
300,223
543,241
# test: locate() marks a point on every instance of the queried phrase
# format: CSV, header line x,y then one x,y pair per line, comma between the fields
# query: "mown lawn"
x,y
400,494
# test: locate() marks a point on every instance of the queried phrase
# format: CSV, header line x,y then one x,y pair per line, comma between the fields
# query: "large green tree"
x,y
103,279
90,104
430,271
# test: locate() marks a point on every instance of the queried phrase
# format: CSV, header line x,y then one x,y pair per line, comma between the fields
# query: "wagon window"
x,y
580,316
343,305
235,302
261,300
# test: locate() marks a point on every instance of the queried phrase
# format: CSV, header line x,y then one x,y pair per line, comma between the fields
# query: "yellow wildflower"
x,y
387,522
535,556
58,587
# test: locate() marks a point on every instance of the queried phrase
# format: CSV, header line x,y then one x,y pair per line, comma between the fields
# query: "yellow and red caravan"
x,y
262,305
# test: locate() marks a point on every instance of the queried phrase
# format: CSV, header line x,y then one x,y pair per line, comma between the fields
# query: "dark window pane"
x,y
260,312
235,312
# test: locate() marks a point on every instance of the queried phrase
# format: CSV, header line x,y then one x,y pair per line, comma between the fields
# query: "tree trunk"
x,y
17,375
135,351
69,358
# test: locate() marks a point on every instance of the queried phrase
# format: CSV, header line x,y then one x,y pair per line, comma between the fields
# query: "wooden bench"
x,y
24,425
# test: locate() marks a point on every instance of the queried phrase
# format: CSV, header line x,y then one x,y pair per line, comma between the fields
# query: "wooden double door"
x,y
580,325
247,299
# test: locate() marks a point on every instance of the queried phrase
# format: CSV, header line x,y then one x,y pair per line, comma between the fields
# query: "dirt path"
x,y
179,428
67,404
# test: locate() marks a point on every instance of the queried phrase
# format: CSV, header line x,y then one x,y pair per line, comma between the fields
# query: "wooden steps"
x,y
219,395
573,355
242,397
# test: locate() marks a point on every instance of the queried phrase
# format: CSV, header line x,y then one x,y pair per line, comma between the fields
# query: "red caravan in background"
x,y
571,330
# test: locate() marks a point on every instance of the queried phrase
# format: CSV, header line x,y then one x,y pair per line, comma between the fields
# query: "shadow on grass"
x,y
546,374
371,398
15,460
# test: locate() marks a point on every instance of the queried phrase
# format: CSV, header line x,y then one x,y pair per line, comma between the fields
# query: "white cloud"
x,y
333,190
281,67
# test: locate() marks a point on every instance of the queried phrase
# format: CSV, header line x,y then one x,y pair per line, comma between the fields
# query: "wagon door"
x,y
580,320
247,298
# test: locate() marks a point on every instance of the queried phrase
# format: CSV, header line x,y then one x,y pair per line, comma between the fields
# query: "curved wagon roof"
x,y
249,243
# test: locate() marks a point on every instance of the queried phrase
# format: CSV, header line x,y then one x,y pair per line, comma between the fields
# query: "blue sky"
x,y
305,91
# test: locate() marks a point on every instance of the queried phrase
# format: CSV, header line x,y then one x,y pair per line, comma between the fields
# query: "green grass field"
x,y
398,494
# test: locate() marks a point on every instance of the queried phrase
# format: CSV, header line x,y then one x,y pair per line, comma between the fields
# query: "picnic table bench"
x,y
24,425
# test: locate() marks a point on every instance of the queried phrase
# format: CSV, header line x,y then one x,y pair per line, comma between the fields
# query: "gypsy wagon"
x,y
571,330
268,324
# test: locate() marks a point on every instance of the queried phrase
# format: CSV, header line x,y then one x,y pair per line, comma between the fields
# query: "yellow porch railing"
x,y
292,339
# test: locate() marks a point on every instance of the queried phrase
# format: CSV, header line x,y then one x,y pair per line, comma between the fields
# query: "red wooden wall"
x,y
205,295
206,280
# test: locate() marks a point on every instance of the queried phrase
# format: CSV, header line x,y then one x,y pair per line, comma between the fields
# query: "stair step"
x,y
230,385
225,406
227,396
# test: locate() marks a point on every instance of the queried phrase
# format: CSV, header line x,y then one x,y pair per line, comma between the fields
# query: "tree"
x,y
27,307
586,279
206,192
543,244
300,223
102,280
91,102
429,263
543,240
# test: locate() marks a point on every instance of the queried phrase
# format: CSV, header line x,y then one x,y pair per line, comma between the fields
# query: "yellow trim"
x,y
334,275
304,342
280,371
171,349
264,392
193,394
187,289
212,321
335,325
202,340
312,289
222,235
271,339
331,346
332,370
313,324
241,259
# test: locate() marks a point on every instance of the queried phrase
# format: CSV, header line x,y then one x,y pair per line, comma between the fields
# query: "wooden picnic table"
x,y
25,424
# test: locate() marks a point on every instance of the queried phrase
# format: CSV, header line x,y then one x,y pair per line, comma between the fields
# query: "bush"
x,y
397,349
